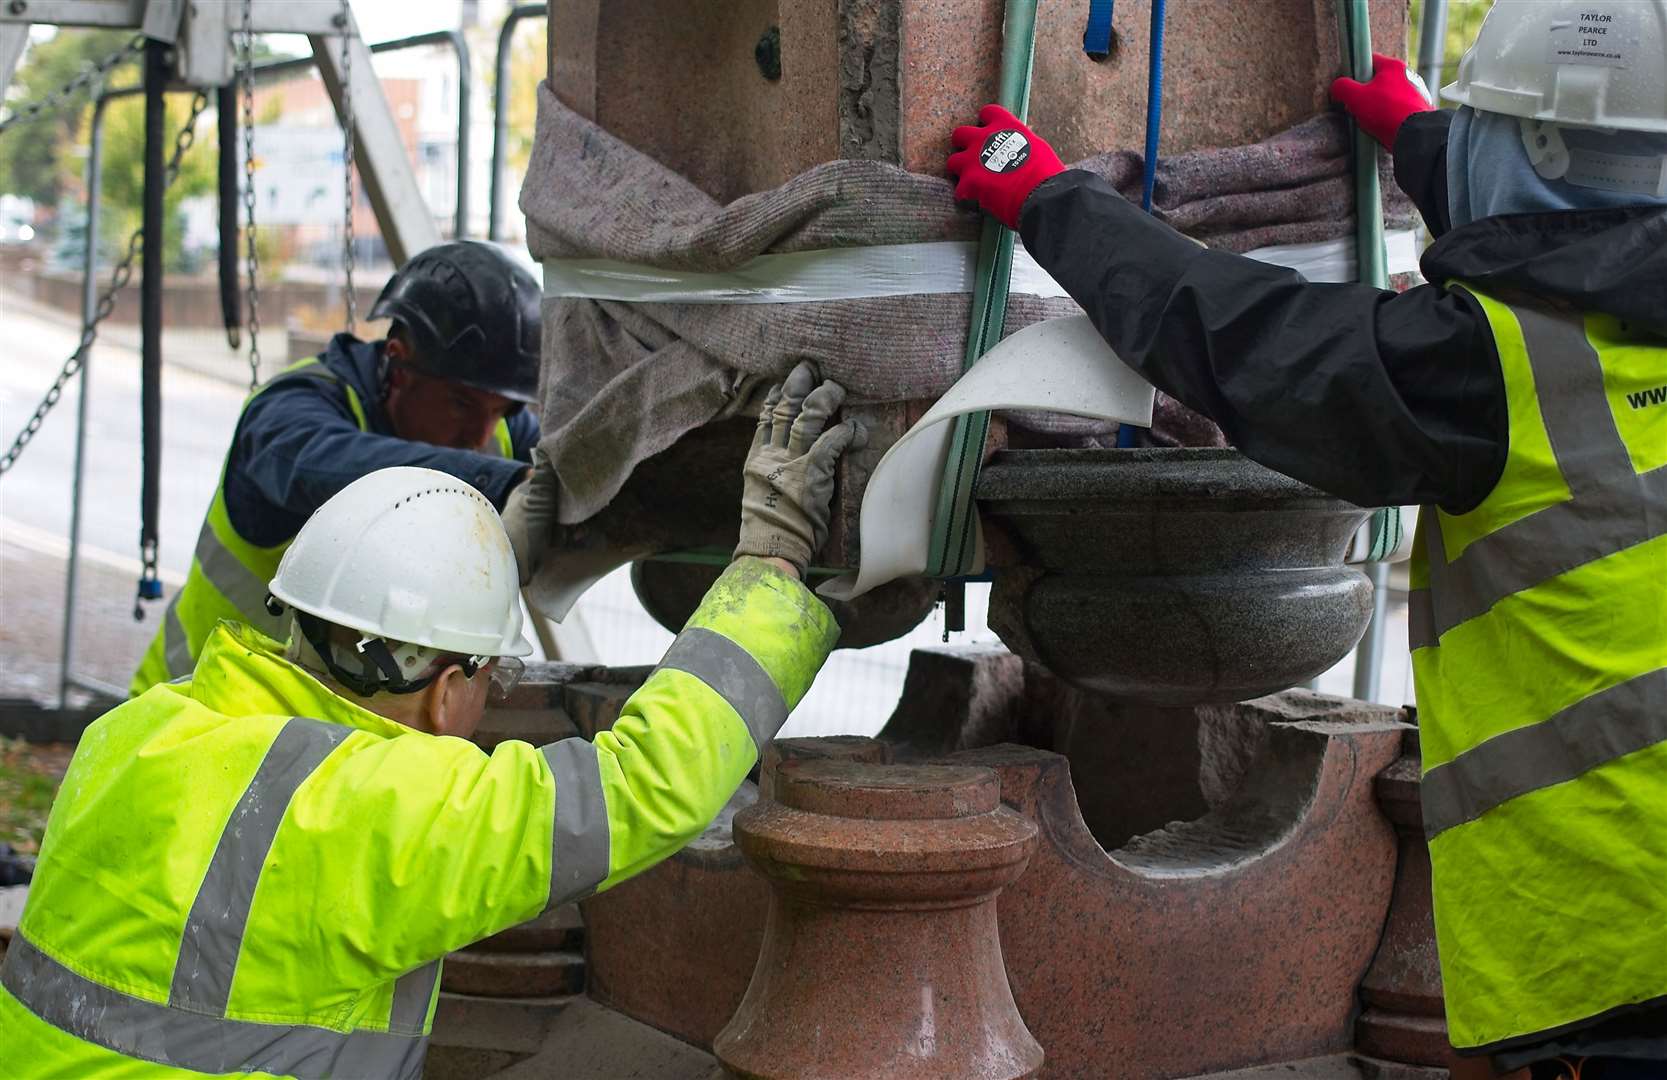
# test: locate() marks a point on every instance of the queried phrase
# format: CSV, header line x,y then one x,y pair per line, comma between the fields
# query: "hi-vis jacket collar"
x,y
242,672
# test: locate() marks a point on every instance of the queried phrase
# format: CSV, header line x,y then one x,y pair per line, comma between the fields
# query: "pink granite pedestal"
x,y
1215,909
881,957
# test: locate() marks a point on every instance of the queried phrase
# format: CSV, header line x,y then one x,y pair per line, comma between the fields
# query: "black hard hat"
x,y
472,314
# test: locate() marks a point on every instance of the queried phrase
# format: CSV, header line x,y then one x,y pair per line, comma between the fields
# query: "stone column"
x,y
881,956
1404,1020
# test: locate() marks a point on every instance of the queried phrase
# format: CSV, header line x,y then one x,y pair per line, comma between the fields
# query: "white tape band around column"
x,y
887,270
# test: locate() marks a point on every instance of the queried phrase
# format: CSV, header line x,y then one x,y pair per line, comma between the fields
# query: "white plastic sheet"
x,y
1060,365
829,274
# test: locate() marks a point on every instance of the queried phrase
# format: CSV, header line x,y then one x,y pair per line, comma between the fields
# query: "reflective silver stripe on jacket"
x,y
236,582
412,993
184,1039
176,646
580,841
1610,507
1613,723
213,935
738,678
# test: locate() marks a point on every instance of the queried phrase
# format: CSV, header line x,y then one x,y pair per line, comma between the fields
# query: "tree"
x,y
1464,19
45,158
124,168
30,164
528,61
529,57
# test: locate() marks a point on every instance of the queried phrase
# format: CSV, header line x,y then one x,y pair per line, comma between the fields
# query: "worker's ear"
x,y
452,704
396,350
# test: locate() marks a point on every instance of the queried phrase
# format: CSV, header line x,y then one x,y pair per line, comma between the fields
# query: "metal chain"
x,y
246,76
347,154
106,303
80,82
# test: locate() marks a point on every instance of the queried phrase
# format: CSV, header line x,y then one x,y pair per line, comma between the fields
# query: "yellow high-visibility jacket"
x,y
229,574
1538,623
245,873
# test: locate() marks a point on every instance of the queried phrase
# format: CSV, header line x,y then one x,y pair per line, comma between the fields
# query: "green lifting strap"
x,y
1368,194
953,522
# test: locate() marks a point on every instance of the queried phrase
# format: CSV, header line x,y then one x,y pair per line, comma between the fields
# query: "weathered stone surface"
x,y
1404,1020
1171,576
517,1026
957,697
1331,1067
505,974
591,1042
1235,938
534,712
881,954
560,929
889,80
675,946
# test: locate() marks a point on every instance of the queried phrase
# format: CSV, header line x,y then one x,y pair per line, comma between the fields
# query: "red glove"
x,y
999,163
1381,106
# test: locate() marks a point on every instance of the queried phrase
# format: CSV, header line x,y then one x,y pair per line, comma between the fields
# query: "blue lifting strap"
x,y
1126,437
1096,39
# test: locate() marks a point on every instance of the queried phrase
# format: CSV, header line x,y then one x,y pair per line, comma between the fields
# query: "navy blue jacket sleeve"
x,y
297,444
1377,397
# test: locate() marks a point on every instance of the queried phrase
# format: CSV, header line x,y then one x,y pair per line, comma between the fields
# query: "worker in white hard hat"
x,y
1521,396
257,869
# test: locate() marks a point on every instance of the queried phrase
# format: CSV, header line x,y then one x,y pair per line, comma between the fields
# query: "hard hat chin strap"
x,y
1586,166
380,670
1547,151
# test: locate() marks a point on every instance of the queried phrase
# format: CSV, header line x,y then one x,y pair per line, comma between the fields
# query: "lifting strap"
x,y
955,521
1096,38
1386,525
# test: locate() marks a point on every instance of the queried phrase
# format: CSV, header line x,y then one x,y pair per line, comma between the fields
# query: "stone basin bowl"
x,y
1171,576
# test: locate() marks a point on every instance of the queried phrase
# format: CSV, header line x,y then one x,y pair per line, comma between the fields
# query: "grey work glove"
x,y
787,486
530,515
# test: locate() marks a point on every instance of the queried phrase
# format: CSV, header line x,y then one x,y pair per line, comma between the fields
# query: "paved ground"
x,y
197,418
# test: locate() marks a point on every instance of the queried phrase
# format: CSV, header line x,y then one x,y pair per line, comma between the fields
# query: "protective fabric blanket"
x,y
623,381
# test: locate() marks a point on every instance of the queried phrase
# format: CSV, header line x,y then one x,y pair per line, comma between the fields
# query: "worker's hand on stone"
x,y
1381,106
999,162
787,485
530,515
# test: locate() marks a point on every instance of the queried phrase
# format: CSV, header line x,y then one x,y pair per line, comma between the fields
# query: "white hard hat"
x,y
1589,63
409,555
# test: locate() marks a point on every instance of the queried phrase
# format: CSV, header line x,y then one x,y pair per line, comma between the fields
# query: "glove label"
x,y
1004,151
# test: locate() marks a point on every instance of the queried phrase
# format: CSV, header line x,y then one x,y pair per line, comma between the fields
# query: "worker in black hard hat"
x,y
446,390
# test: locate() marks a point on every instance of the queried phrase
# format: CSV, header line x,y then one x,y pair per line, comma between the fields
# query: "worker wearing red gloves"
x,y
1522,397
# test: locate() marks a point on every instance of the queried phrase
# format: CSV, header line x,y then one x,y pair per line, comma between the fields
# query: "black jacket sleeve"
x,y
297,444
1421,166
1377,397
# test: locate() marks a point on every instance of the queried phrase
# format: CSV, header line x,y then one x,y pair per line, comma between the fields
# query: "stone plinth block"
x,y
1237,938
1215,909
881,954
